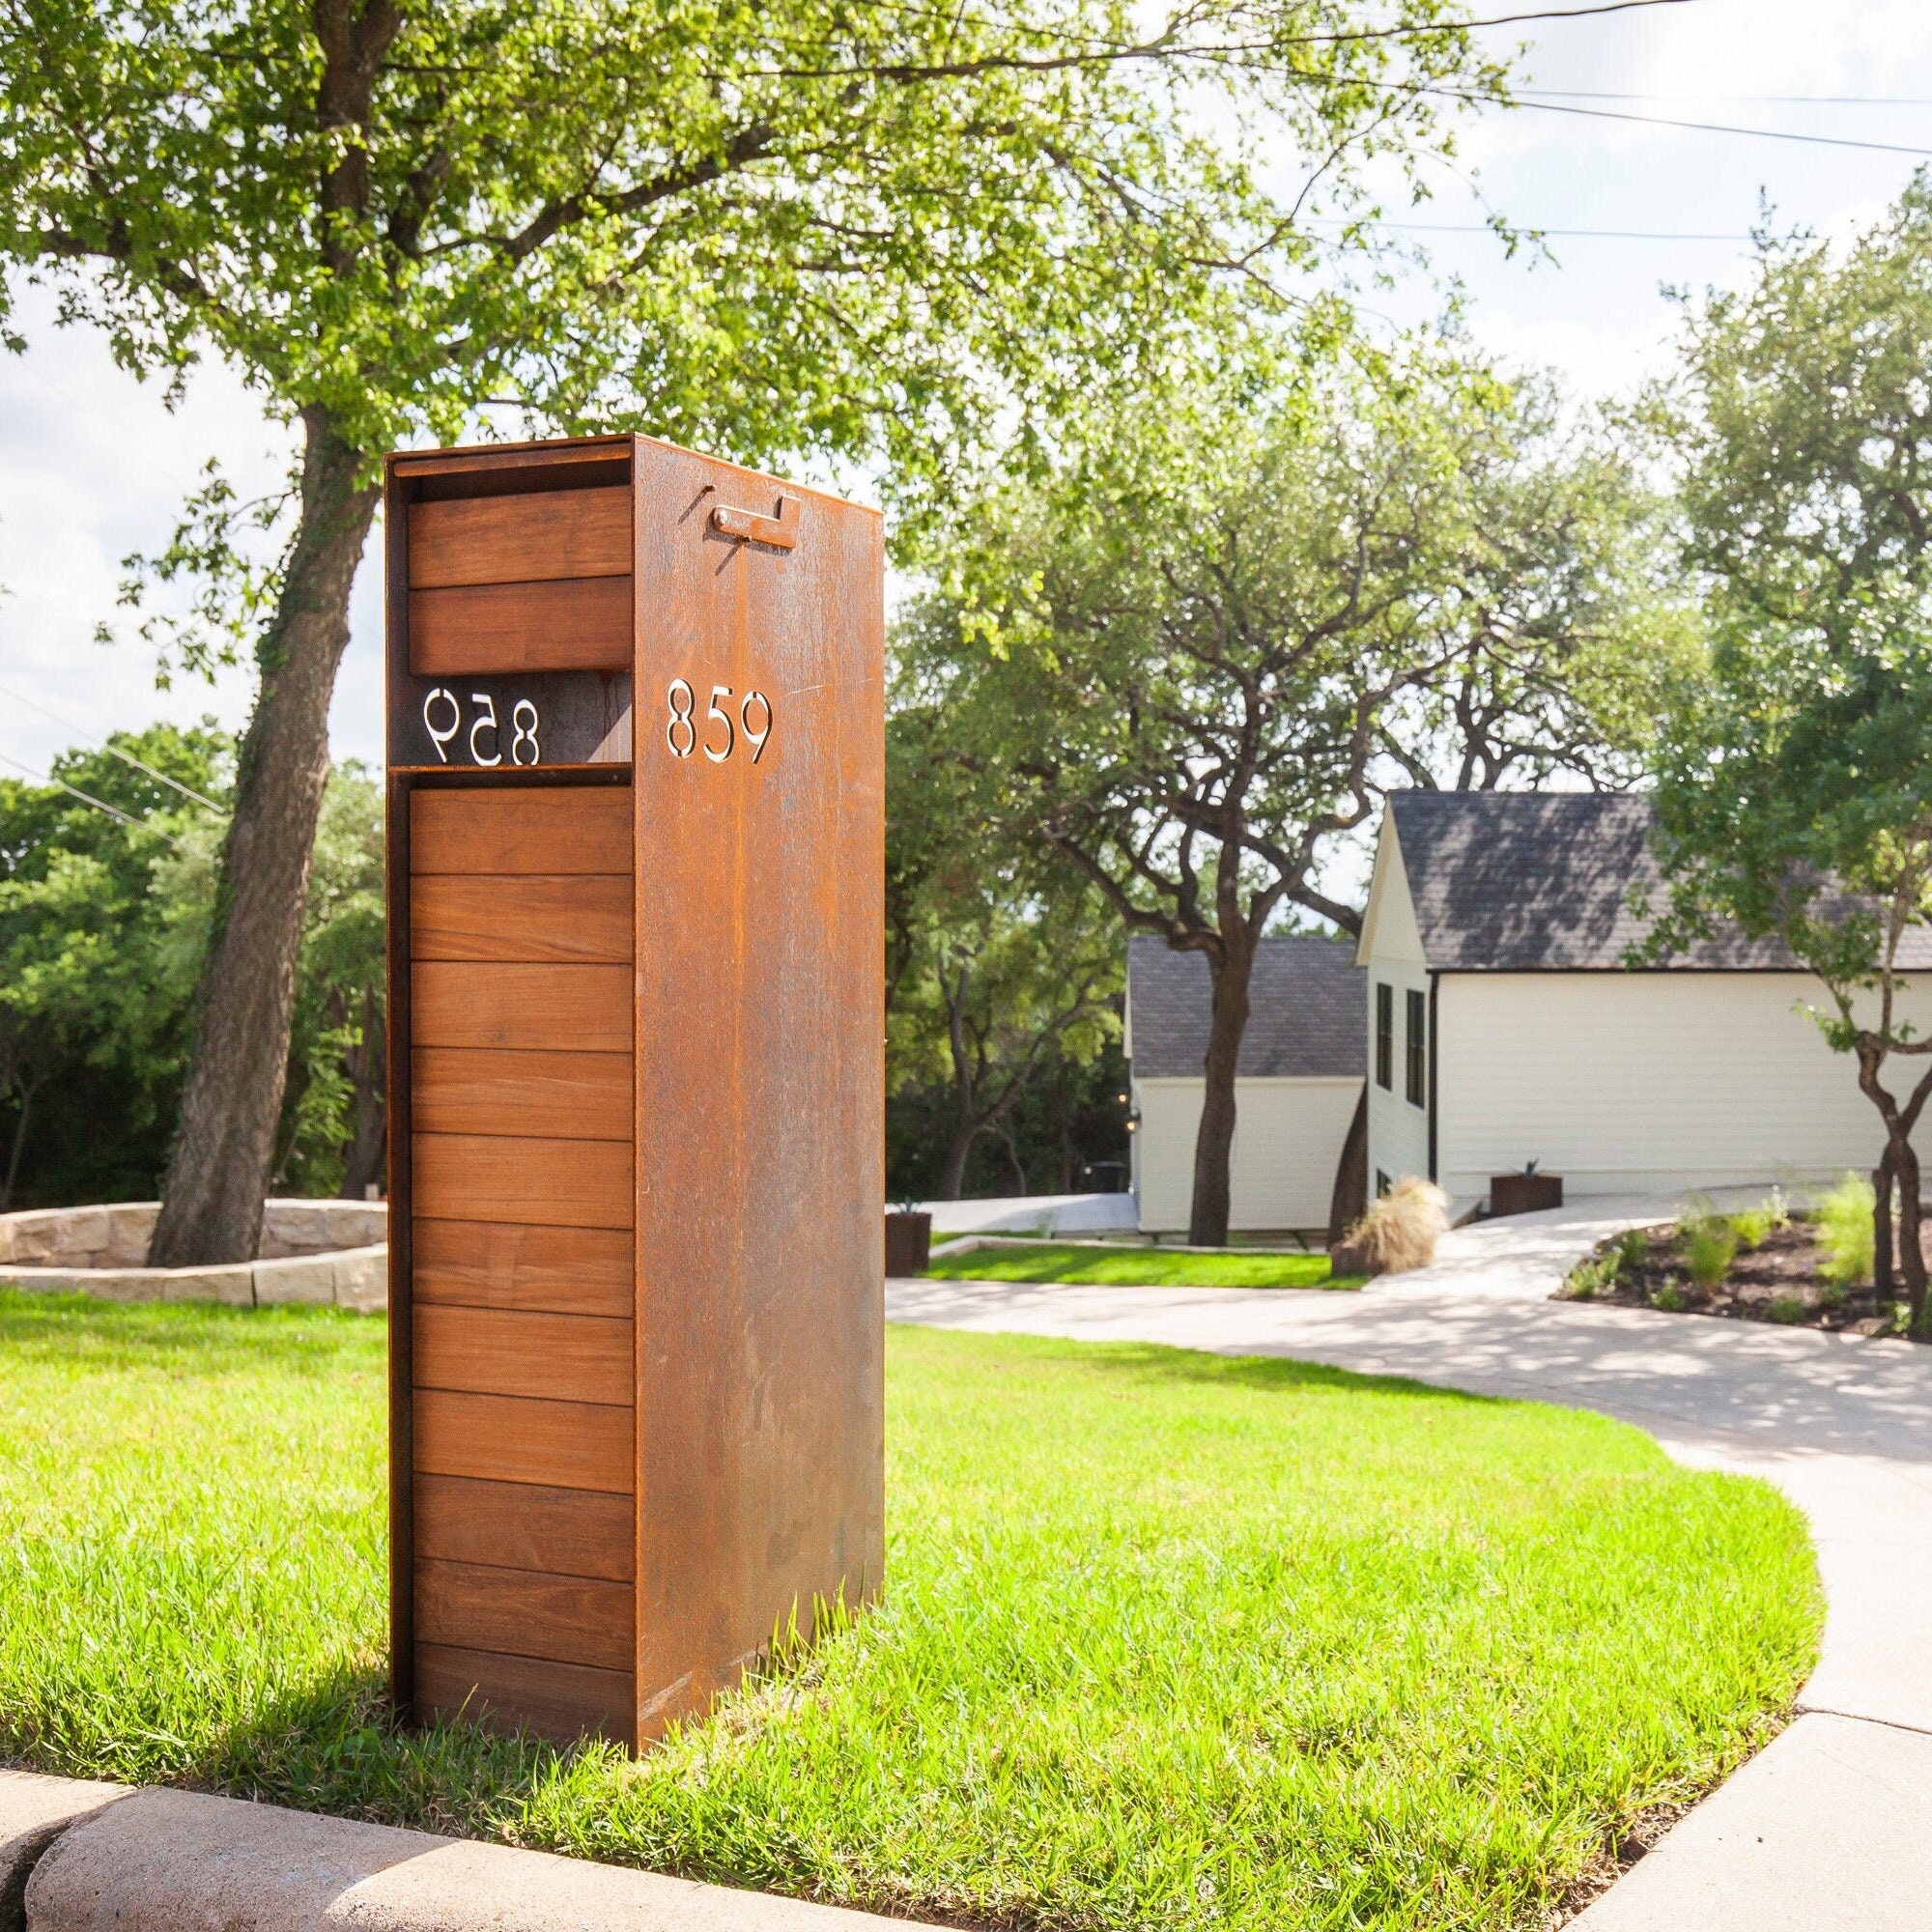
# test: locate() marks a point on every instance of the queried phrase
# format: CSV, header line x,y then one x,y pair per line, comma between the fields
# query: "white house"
x,y
1296,1086
1504,1026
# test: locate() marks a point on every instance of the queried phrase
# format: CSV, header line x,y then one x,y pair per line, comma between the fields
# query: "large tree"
x,y
1202,652
1796,796
765,229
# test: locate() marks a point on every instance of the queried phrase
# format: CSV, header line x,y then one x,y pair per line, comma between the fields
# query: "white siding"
x,y
1643,1082
1287,1142
1391,948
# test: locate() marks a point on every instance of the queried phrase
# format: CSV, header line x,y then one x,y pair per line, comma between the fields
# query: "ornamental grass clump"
x,y
1710,1247
1401,1230
1845,1233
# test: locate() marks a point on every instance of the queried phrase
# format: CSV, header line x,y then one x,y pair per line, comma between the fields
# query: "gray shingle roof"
x,y
1535,881
1306,1009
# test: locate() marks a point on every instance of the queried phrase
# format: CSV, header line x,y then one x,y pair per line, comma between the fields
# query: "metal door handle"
x,y
779,532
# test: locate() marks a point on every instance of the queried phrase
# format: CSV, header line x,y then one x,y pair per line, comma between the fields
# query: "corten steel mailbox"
x,y
635,746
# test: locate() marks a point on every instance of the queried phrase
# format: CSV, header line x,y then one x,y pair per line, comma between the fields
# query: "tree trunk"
x,y
952,1180
1911,1252
1882,1284
1215,1140
26,1091
367,1066
224,1146
1349,1200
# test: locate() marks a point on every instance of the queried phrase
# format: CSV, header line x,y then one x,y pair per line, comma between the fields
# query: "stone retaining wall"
x,y
327,1253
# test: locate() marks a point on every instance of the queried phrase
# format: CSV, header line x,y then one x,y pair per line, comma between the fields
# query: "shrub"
x,y
1402,1228
1671,1299
1831,1295
1710,1247
1752,1227
1634,1247
1845,1230
1788,1308
1594,1274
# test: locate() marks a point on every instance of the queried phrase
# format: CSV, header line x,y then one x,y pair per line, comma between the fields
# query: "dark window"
x,y
1385,1036
1381,1183
1415,1049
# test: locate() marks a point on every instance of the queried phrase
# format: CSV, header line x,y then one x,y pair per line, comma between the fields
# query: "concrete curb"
x,y
95,1857
34,1811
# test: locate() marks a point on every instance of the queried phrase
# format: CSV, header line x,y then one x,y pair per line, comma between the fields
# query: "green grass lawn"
x,y
1139,1268
1169,1640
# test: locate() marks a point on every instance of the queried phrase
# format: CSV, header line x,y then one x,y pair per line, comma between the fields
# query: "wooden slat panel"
x,y
567,1619
560,1701
582,623
546,535
497,1265
545,1008
502,1438
532,917
547,1183
504,1352
546,829
525,1527
562,1095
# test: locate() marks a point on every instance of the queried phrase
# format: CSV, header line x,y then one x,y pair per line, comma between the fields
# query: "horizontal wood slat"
x,y
550,1183
531,917
544,534
499,1265
508,1351
502,1438
525,1527
548,828
543,1008
559,1095
579,623
560,1701
566,1619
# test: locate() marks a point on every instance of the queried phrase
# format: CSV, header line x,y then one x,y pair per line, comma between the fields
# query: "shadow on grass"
x,y
334,1747
1154,1362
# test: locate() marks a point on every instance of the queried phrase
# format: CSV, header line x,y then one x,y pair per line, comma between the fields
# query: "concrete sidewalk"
x,y
1843,1426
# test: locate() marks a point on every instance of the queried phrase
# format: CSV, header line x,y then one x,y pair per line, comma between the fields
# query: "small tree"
x,y
1796,785
768,229
1195,656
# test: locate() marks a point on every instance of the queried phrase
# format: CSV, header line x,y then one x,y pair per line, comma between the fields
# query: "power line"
x,y
1754,100
1531,231
108,744
74,791
1652,120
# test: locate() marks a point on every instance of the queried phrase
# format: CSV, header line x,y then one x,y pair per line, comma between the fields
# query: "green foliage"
x,y
1754,1226
1796,792
1508,1626
1845,1232
1710,1247
1671,1298
1787,1308
1094,1265
1595,1273
1004,974
1633,1246
101,933
103,928
752,229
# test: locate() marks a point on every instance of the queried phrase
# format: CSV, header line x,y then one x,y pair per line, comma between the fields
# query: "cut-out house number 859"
x,y
717,729
443,720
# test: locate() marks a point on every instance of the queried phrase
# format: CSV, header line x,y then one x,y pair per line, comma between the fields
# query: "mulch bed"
x,y
1778,1281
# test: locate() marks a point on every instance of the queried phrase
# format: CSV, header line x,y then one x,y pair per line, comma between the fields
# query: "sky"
x,y
94,464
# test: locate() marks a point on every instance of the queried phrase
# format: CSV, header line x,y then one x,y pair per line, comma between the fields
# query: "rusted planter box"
x,y
908,1244
635,774
1523,1193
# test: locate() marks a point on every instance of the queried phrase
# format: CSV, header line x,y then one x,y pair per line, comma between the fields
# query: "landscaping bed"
x,y
1169,1640
1760,1266
1088,1263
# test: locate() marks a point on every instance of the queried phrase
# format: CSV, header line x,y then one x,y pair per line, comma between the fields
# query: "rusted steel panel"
x,y
760,1083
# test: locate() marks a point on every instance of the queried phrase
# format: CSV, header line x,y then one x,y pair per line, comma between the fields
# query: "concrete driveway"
x,y
1831,1827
